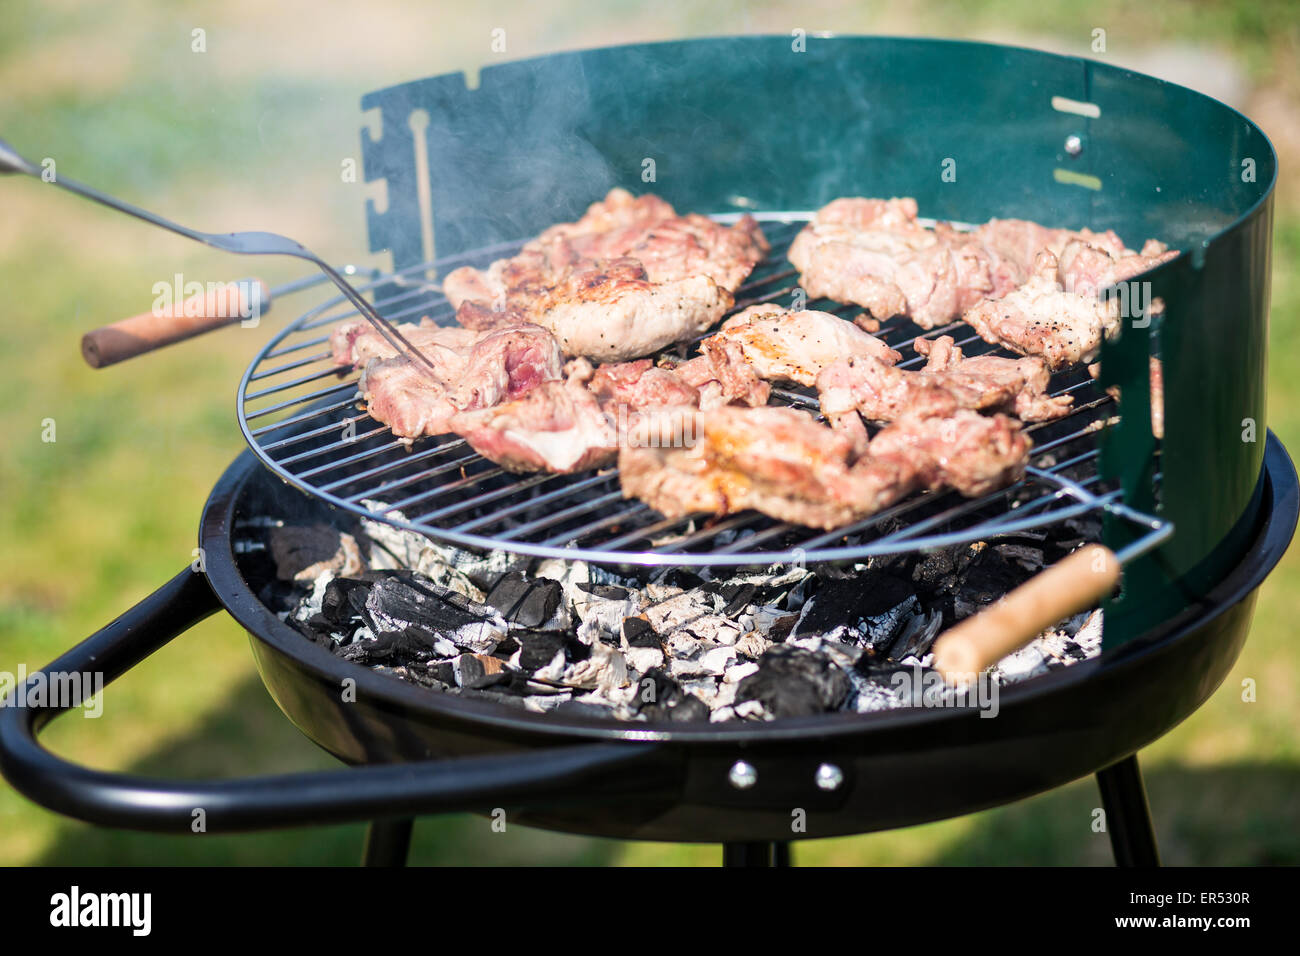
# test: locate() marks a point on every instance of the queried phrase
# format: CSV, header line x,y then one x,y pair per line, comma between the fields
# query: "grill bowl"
x,y
901,767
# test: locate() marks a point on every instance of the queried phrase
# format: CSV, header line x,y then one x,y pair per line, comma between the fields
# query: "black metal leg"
x,y
756,854
1128,815
387,843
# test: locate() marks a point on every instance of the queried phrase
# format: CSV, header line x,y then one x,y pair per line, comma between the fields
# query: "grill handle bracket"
x,y
537,779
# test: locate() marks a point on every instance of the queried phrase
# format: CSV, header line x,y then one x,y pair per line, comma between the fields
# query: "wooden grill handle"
x,y
212,309
1073,584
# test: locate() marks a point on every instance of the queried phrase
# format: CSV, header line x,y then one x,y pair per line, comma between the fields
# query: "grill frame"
x,y
1064,489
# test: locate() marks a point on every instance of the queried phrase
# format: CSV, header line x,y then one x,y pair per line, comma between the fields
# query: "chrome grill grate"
x,y
304,422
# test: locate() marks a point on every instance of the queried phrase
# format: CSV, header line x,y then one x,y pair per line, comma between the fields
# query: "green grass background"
x,y
252,134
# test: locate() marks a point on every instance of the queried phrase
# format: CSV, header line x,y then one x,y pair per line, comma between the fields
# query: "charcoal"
x,y
638,633
1027,557
793,682
444,672
343,600
989,577
538,648
303,553
575,650
687,709
580,708
507,647
869,609
400,599
916,636
681,578
606,592
939,569
529,602
476,671
412,643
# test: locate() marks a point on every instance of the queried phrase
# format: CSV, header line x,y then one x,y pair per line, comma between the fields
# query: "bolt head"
x,y
742,775
829,777
1074,144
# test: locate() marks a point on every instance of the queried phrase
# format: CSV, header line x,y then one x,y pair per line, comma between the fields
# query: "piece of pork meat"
x,y
1019,241
969,452
784,346
781,462
1056,313
874,253
778,461
470,370
627,279
948,382
556,426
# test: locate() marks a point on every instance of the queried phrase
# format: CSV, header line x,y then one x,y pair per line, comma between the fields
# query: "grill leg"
x,y
1128,815
387,843
756,854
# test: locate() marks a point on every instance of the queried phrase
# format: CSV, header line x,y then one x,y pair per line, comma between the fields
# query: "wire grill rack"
x,y
305,422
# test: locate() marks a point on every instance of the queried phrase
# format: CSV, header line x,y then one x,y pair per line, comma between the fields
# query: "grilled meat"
x,y
627,279
971,453
775,460
1018,241
874,253
948,382
577,424
784,346
557,426
1056,313
471,370
781,462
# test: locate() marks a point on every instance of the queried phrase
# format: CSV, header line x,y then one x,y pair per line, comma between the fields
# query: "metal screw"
x,y
829,776
1074,144
742,775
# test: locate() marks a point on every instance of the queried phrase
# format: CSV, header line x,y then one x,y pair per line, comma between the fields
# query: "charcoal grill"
x,y
752,125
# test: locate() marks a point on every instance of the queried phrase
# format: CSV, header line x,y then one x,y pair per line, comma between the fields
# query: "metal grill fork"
x,y
239,243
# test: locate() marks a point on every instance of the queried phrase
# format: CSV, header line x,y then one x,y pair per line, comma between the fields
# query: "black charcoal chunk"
x,y
529,602
580,708
538,648
639,633
397,601
608,592
793,682
411,644
689,708
990,576
474,672
296,548
343,599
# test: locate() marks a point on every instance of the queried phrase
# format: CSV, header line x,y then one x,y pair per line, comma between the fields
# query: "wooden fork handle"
x,y
1075,583
217,307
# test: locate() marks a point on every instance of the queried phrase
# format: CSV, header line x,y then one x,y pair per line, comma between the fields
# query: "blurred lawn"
x,y
251,134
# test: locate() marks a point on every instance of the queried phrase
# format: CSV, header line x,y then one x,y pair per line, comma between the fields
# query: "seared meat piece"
x,y
1086,269
355,343
1041,318
632,386
628,278
577,424
1056,313
775,460
787,346
1018,241
874,253
948,382
557,426
972,453
472,370
723,377
781,462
